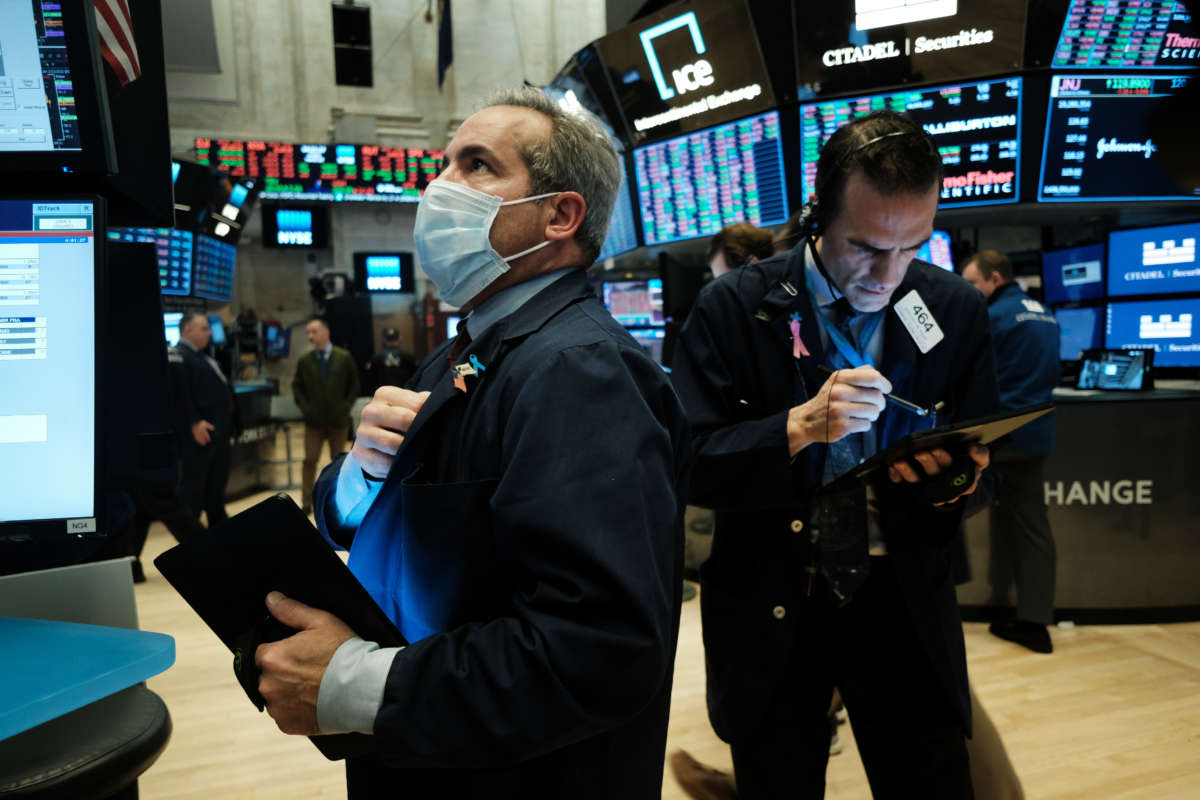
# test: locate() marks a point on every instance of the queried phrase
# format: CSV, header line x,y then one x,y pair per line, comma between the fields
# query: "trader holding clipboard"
x,y
794,372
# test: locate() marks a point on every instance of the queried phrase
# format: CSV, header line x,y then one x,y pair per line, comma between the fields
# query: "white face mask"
x,y
452,232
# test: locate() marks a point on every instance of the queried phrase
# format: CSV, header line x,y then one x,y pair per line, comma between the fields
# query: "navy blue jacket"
x,y
737,377
199,394
1025,337
528,542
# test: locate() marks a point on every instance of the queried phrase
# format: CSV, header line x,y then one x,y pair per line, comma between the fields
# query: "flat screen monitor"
x,y
1097,146
1074,274
218,329
687,67
976,126
295,227
651,341
1127,34
174,249
697,184
852,45
635,304
1120,370
384,272
171,320
53,105
1170,327
325,172
213,271
1160,260
277,341
937,251
1079,329
622,228
49,278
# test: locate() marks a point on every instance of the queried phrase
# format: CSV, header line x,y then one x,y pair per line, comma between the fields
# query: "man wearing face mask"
x,y
516,510
783,370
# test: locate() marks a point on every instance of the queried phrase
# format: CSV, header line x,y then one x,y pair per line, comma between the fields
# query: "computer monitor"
x,y
1074,274
937,251
1079,329
452,321
1153,34
51,266
1170,327
635,304
651,341
277,341
295,227
976,126
171,320
1159,260
218,329
1097,147
1120,370
174,251
212,274
53,102
695,185
622,227
384,272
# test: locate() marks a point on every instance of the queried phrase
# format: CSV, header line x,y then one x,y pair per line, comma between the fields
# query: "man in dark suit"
x,y
204,406
518,516
810,588
325,387
391,366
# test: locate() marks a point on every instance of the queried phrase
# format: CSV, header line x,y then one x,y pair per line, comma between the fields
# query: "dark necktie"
x,y
461,341
847,452
322,363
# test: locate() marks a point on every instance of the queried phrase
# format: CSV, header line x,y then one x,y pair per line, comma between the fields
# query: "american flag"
x,y
117,44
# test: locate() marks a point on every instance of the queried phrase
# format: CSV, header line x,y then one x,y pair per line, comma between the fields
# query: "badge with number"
x,y
919,321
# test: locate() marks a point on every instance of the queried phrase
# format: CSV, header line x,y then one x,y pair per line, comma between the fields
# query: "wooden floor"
x,y
1113,713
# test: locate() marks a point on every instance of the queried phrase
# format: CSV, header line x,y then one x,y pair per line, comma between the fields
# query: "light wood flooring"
x,y
1113,713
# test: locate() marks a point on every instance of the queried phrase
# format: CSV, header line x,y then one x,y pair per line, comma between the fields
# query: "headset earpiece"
x,y
810,220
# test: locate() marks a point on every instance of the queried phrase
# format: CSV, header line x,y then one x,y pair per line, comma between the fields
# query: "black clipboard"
x,y
226,573
981,430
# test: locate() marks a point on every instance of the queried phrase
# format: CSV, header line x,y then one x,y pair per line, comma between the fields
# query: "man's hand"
x,y
202,432
292,668
849,402
933,462
385,420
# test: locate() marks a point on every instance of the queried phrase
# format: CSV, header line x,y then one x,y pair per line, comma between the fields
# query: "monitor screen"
x,y
171,320
1073,274
635,303
1097,147
1125,370
218,329
1158,260
1127,34
384,272
622,229
174,248
48,253
213,272
306,227
937,251
976,126
327,172
277,341
1078,330
651,341
687,67
452,321
697,184
1170,327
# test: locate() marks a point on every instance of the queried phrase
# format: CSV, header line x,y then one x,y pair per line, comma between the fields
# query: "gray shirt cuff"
x,y
352,688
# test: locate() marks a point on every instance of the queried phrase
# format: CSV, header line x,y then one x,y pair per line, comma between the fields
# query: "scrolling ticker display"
x,y
694,185
1097,147
976,126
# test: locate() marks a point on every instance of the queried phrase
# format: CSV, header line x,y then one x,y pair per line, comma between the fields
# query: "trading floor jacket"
x,y
737,377
528,543
1025,338
326,403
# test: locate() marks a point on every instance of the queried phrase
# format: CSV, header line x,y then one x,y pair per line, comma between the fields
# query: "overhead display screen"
x,y
976,126
1097,147
174,249
1078,330
328,172
695,185
686,67
1073,274
850,45
1118,34
1170,327
214,265
1158,260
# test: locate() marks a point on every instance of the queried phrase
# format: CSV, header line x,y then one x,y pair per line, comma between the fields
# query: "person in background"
x,y
205,418
325,388
391,366
737,245
1025,337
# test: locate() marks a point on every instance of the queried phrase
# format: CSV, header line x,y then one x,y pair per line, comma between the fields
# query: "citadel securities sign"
x,y
891,49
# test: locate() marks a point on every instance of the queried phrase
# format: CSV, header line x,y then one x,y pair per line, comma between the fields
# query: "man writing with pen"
x,y
792,372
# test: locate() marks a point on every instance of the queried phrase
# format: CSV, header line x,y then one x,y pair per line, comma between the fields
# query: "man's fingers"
x,y
291,612
981,456
928,462
905,471
864,377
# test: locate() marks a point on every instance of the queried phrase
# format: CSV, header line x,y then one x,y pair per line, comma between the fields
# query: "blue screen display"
x,y
383,273
294,226
218,329
1078,330
622,230
237,195
937,251
1168,326
1154,260
215,260
1074,274
174,250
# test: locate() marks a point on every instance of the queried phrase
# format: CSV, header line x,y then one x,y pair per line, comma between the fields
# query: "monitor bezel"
x,y
1103,274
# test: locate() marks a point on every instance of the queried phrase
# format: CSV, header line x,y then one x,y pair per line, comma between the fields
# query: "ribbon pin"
x,y
798,348
476,363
